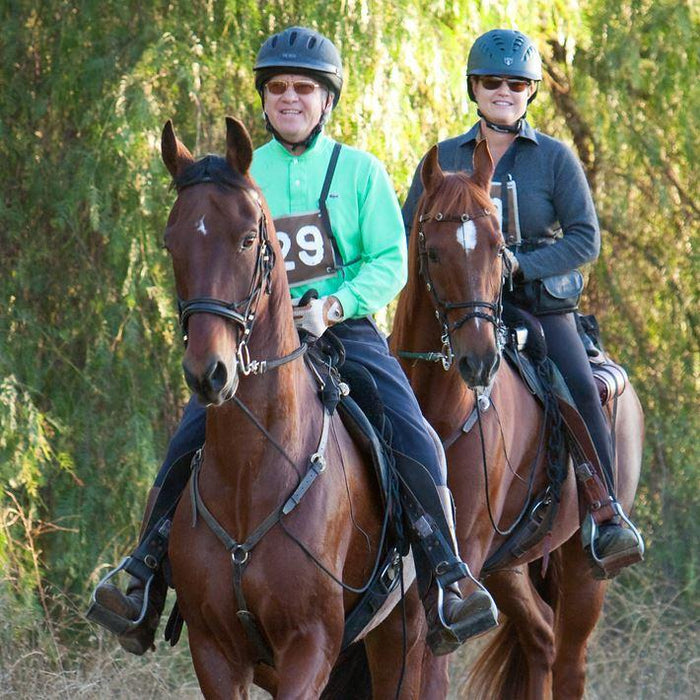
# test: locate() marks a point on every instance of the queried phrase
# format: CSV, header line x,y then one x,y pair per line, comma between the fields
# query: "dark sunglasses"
x,y
493,82
301,87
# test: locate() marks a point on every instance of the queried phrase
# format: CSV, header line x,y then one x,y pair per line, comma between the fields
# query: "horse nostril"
x,y
217,376
467,369
190,378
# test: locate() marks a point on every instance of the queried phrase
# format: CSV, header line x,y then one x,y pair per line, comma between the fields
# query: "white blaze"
x,y
466,236
201,227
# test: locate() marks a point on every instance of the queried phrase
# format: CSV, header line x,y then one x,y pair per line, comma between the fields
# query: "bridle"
x,y
244,312
479,308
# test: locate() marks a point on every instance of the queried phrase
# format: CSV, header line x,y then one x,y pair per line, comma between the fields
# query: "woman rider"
x,y
550,226
342,235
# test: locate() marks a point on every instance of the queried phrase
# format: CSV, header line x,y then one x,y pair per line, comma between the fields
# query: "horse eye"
x,y
433,255
248,240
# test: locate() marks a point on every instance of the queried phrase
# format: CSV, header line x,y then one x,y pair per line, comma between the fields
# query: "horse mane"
x,y
456,194
210,168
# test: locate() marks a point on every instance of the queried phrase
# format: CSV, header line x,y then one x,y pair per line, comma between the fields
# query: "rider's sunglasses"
x,y
301,87
493,82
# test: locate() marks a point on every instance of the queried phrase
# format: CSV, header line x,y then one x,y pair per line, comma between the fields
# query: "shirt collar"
x,y
320,145
526,132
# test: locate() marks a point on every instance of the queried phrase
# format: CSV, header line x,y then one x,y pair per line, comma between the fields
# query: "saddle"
x,y
610,377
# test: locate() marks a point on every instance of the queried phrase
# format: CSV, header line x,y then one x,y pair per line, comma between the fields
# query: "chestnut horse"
x,y
540,650
287,518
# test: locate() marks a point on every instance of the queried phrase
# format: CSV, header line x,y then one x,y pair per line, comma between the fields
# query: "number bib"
x,y
307,248
511,232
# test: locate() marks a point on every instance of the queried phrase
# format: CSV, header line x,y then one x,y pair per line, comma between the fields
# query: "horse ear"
x,y
431,174
239,147
483,165
175,155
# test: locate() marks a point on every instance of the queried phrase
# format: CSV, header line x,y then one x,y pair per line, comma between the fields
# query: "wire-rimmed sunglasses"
x,y
301,87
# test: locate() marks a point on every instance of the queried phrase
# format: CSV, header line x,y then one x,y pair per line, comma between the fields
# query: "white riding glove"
x,y
318,314
511,261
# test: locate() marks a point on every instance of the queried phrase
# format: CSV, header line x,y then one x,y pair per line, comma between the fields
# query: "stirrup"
x,y
446,638
608,567
110,620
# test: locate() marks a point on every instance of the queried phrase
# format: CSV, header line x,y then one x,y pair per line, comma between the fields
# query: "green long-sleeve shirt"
x,y
364,214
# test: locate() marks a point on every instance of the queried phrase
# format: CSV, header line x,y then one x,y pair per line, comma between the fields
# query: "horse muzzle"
x,y
214,382
478,370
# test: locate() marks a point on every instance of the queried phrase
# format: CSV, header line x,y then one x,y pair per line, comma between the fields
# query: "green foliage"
x,y
90,383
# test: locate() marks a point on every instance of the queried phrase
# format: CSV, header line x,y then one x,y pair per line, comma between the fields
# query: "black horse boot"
x,y
133,616
452,620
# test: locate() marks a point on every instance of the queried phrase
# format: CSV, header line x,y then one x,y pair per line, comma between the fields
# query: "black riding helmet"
x,y
300,50
504,52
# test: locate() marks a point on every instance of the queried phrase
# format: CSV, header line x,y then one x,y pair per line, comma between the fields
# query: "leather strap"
x,y
589,470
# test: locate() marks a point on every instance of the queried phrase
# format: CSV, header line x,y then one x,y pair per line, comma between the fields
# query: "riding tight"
x,y
566,350
366,345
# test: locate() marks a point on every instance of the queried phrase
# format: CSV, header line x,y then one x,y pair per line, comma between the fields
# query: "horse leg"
x,y
395,654
216,675
532,625
580,604
304,664
435,675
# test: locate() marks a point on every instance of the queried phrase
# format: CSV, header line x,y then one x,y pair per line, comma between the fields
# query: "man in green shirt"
x,y
341,232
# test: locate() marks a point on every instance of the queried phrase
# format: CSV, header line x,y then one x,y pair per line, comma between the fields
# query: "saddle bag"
x,y
558,294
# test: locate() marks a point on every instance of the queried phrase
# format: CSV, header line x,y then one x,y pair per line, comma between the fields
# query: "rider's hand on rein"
x,y
318,315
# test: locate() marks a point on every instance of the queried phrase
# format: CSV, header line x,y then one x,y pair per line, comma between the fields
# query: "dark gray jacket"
x,y
554,201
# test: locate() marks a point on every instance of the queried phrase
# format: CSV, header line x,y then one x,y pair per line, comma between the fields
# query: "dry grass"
x,y
646,646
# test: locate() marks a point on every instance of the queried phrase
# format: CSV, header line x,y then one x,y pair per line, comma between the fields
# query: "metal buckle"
x,y
389,577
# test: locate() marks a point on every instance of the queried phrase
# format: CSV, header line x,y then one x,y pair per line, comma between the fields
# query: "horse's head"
x,y
217,238
460,247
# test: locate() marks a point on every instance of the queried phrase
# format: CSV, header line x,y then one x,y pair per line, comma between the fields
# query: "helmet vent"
x,y
312,42
292,38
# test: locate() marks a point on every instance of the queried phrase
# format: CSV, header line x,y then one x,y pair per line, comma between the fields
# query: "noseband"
x,y
489,311
243,312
